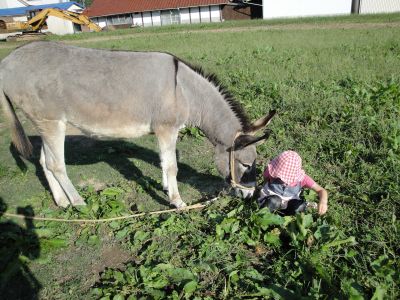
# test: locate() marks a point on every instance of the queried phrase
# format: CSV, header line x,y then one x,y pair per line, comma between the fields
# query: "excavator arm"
x,y
37,22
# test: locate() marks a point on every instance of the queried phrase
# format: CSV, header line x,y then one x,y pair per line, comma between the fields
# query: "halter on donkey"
x,y
123,94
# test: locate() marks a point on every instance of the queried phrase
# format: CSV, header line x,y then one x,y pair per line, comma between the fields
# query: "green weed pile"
x,y
235,250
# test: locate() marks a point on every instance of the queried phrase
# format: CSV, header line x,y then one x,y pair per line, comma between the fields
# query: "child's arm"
x,y
323,198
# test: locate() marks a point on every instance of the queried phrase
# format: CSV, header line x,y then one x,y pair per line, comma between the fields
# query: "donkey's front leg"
x,y
53,135
167,137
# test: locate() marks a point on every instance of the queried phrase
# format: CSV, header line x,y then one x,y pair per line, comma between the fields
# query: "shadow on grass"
x,y
81,150
17,244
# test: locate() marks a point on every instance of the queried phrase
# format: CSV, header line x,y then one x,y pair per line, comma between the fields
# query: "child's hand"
x,y
323,199
322,207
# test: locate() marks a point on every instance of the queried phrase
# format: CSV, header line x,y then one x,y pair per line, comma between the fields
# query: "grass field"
x,y
336,85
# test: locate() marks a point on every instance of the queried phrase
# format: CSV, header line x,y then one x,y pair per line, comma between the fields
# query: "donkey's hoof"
x,y
61,201
178,203
63,204
78,202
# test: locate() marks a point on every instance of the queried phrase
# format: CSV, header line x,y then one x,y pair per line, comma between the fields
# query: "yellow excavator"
x,y
38,20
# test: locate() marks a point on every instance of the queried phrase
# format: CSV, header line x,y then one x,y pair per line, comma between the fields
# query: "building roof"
x,y
111,7
22,11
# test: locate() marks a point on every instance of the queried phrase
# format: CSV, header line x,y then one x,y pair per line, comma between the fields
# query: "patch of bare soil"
x,y
85,265
113,257
97,185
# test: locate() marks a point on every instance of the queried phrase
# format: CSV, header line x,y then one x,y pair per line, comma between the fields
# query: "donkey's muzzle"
x,y
245,191
245,194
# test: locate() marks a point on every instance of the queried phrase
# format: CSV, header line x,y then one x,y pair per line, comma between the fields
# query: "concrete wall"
x,y
215,13
205,16
194,15
302,8
59,26
156,18
137,19
185,16
102,22
379,6
147,21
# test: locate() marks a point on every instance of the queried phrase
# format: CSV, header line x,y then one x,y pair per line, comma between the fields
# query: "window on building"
x,y
101,21
119,19
171,16
77,27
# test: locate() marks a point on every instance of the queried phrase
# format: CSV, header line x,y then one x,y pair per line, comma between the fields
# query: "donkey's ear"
x,y
247,140
260,123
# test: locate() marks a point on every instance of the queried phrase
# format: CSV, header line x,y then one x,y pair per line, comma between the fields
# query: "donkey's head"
x,y
238,162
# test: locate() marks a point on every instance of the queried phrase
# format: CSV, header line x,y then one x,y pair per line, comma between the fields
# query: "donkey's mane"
x,y
234,105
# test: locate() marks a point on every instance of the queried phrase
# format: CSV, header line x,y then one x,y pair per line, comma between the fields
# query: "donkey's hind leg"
x,y
53,134
58,193
167,142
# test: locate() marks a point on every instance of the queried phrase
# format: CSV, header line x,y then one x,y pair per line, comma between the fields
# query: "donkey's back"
x,y
110,93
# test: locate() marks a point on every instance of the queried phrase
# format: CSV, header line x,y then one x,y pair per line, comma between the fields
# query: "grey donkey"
x,y
123,94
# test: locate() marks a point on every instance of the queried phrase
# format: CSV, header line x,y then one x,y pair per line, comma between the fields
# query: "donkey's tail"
x,y
18,136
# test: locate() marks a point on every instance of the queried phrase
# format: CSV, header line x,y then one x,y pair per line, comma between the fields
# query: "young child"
x,y
284,180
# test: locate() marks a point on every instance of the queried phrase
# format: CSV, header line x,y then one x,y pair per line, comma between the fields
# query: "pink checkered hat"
x,y
287,167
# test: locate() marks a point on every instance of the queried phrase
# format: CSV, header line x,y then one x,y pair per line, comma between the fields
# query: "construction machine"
x,y
38,19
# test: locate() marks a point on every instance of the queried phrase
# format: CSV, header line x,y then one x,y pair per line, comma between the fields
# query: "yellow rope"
x,y
190,207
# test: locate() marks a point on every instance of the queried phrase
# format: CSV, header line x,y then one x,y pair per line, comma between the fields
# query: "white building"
x,y
306,8
378,6
127,13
